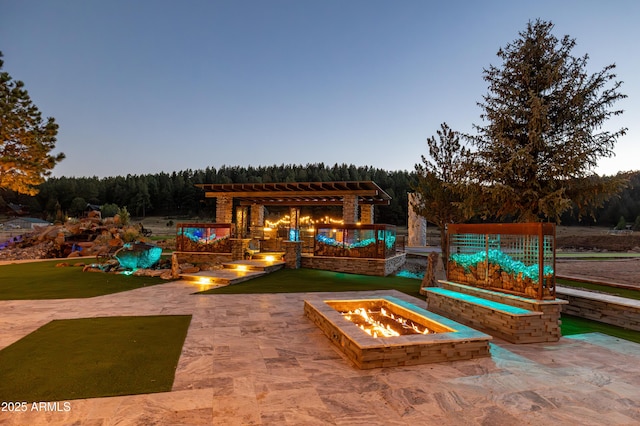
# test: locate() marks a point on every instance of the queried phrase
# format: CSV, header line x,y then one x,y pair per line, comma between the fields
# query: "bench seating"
x,y
496,313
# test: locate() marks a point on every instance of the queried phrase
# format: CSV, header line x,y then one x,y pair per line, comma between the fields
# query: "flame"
x,y
376,328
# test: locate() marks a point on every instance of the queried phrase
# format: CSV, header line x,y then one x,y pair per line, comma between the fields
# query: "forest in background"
x,y
175,195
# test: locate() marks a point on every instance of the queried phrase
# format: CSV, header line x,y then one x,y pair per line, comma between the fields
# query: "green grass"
x,y
93,357
313,280
43,280
576,325
615,291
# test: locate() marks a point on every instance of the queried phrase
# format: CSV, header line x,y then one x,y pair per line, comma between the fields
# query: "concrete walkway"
x,y
258,360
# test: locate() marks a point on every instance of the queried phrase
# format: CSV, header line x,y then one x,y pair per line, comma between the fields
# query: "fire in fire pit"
x,y
382,323
396,332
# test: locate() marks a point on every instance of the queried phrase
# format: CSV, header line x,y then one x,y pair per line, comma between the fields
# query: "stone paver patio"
x,y
258,360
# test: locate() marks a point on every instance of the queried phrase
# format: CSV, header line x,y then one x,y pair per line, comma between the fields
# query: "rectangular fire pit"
x,y
394,332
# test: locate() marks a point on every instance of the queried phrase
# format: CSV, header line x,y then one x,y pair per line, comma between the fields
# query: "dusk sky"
x,y
143,87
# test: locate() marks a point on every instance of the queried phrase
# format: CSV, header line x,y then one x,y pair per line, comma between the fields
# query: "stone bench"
x,y
512,318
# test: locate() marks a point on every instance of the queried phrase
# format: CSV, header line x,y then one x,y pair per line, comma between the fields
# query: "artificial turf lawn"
x,y
576,325
314,280
93,357
43,280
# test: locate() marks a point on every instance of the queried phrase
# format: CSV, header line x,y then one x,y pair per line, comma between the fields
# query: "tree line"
x,y
175,194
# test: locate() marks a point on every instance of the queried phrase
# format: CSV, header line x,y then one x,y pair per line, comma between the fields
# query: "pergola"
x,y
356,197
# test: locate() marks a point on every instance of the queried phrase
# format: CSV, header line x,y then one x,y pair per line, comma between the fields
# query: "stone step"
x,y
235,272
222,276
254,265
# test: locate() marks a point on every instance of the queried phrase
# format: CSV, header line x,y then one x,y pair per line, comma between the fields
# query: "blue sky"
x,y
150,86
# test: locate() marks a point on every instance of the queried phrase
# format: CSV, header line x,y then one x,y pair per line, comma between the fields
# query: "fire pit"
x,y
386,331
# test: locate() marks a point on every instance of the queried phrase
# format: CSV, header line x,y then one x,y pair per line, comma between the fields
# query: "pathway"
x,y
258,360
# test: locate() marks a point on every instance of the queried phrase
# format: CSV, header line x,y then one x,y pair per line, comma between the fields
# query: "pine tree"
x,y
438,182
543,135
26,139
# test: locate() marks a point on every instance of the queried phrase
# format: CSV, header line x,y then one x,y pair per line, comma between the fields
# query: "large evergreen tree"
x,y
544,133
26,139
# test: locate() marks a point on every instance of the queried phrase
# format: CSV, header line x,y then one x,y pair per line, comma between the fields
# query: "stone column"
x,y
350,208
257,220
241,221
294,224
366,214
224,209
417,228
257,215
239,247
292,254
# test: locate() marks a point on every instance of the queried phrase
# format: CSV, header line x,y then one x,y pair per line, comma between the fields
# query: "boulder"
x,y
138,255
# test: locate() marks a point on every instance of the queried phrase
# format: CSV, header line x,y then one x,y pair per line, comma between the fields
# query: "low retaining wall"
x,y
600,307
543,325
204,261
355,265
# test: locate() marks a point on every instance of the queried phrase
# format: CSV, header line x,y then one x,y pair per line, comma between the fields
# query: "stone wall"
x,y
542,327
354,265
203,261
604,308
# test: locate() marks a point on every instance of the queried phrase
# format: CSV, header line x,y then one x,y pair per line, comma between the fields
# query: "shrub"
x,y
622,224
130,234
124,215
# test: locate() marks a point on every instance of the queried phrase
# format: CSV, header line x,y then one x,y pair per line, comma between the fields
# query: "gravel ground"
x,y
621,271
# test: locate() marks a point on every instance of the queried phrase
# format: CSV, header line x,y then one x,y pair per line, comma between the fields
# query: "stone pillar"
x,y
292,254
239,247
350,208
294,224
417,228
241,221
175,266
224,209
257,215
366,214
257,221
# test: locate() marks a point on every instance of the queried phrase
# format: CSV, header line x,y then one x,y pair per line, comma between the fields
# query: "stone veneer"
x,y
350,208
206,260
366,213
455,342
202,260
239,247
292,254
355,265
417,225
224,209
541,324
257,216
600,307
